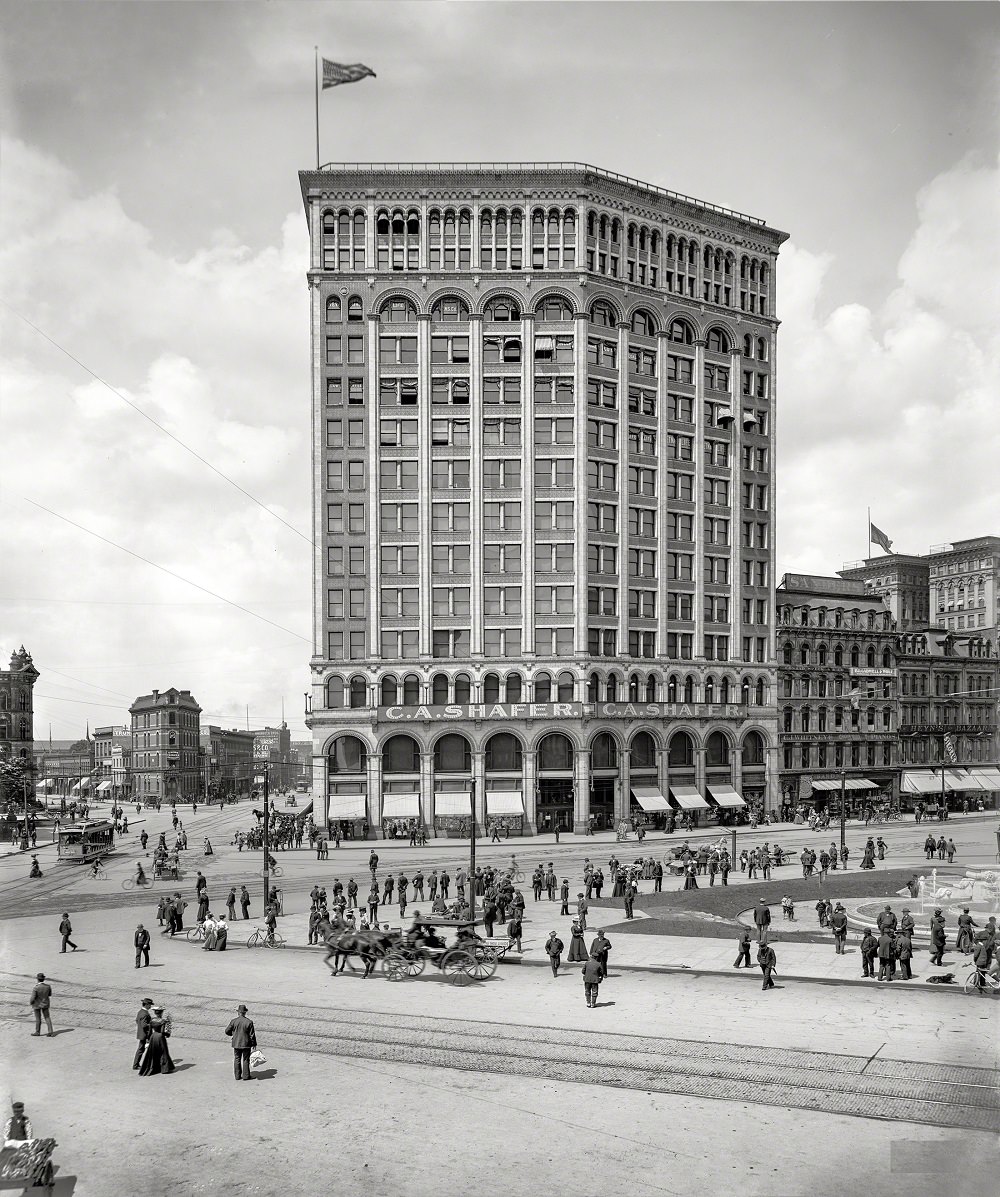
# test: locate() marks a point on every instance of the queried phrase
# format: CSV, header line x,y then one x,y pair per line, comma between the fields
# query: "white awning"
x,y
725,795
920,783
650,798
688,798
504,802
400,806
988,778
105,785
850,783
448,802
346,806
961,779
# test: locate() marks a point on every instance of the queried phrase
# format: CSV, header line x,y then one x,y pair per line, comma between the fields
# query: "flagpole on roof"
x,y
316,48
869,509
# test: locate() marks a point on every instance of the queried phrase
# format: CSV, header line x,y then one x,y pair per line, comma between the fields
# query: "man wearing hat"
x,y
142,1021
40,998
838,921
141,941
18,1125
937,938
762,921
244,1038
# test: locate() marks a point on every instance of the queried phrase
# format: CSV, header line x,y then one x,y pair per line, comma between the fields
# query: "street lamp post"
x,y
267,843
843,810
472,854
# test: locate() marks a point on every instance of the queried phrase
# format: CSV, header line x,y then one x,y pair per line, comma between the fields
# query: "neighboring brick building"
x,y
227,761
113,757
17,710
166,746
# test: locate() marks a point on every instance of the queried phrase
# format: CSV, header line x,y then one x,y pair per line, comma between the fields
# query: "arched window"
x,y
355,310
762,349
491,687
870,658
745,691
838,655
389,692
439,689
753,749
602,315
748,346
413,223
398,223
401,754
463,689
359,227
450,310
397,311
555,752
593,688
503,754
512,687
672,688
566,688
411,690
633,688
347,754
680,754
543,688
335,693
717,750
553,307
334,312
689,689
502,309
886,658
710,689
329,222
786,719
855,656
652,689
642,751
680,332
759,693
717,341
724,691
359,693
643,324
611,689
453,754
604,752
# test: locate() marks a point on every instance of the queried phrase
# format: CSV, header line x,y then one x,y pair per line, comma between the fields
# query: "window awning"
x,y
961,779
650,798
988,778
347,806
400,806
447,802
688,798
42,785
725,795
105,785
504,802
850,783
921,783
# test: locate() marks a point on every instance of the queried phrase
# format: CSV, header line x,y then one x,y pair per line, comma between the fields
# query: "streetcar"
x,y
80,843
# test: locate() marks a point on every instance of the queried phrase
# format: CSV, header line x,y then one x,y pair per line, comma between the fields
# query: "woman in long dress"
x,y
577,946
155,1058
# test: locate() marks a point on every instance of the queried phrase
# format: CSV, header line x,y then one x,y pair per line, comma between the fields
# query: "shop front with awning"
x,y
687,798
725,796
650,799
105,786
505,811
400,810
987,776
452,812
347,811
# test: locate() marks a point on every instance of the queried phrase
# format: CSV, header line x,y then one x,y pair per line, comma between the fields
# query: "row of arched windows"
x,y
442,689
21,700
503,752
821,654
23,728
839,617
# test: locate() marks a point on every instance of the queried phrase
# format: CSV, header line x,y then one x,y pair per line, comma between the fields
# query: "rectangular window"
x,y
680,566
452,600
553,390
602,517
450,432
680,526
602,353
716,608
642,362
554,432
553,558
334,517
396,392
334,351
449,350
717,492
680,408
602,394
502,642
398,475
335,646
502,432
502,390
642,644
398,432
400,602
335,604
679,369
399,517
642,604
553,642
502,517
335,391
450,474
450,559
502,600
680,486
716,377
602,642
680,645
642,521
602,434
400,559
502,558
601,600
641,481
680,448
642,563
356,518
355,475
602,559
356,560
401,644
334,475
450,643
553,516
679,605
716,530
554,472
450,517
643,441
502,473
716,453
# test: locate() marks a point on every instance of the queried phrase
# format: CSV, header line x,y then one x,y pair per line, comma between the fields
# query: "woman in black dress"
x,y
577,946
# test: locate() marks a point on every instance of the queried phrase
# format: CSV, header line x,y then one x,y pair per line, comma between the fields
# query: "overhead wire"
x,y
163,569
166,431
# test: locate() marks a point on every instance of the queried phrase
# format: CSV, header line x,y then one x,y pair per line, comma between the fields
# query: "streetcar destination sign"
x,y
563,710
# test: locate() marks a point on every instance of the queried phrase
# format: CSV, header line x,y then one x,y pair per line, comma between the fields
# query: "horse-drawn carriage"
x,y
403,955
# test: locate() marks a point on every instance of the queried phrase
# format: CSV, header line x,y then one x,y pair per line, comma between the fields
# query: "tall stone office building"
x,y
543,479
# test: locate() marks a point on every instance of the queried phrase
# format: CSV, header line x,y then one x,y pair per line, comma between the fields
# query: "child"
x,y
788,906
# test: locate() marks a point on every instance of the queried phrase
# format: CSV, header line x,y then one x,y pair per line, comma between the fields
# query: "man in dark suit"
x,y
245,901
244,1037
743,950
768,962
838,921
142,1020
886,968
592,975
141,940
762,920
553,949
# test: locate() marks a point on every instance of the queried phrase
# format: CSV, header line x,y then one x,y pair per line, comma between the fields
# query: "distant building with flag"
x,y
336,73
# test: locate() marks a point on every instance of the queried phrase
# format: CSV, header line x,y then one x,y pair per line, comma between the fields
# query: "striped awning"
x,y
504,802
962,779
401,806
988,778
725,795
918,782
850,783
104,786
448,802
650,798
688,798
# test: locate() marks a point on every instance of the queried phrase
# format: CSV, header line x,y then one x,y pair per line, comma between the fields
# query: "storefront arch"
x,y
555,760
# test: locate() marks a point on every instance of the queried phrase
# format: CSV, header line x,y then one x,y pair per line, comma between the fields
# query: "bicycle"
x,y
196,934
989,982
143,883
261,939
273,871
98,871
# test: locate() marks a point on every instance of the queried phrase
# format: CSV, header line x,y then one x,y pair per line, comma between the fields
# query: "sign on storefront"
x,y
561,710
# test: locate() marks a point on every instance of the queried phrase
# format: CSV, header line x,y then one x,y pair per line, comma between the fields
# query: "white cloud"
x,y
895,407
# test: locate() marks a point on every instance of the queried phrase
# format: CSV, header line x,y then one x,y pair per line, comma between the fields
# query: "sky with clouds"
x,y
151,226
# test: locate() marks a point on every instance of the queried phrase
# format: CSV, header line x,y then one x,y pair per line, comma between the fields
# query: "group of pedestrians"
x,y
595,960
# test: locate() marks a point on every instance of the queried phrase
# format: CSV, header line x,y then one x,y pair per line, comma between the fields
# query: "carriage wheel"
x,y
414,965
394,968
454,966
482,953
481,970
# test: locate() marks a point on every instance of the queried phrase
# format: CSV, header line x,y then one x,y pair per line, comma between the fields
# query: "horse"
x,y
342,943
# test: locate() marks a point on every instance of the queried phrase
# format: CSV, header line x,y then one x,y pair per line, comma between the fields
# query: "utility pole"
x,y
472,855
843,809
267,845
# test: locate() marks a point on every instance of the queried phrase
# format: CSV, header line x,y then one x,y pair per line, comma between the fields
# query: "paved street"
x,y
819,1063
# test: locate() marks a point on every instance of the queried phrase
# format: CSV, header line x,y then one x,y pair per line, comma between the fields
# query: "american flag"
x,y
335,73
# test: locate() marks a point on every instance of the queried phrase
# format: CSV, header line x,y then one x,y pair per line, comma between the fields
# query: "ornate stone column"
x,y
581,790
374,797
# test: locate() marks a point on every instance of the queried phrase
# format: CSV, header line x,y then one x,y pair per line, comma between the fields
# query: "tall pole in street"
x,y
843,809
267,844
472,855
